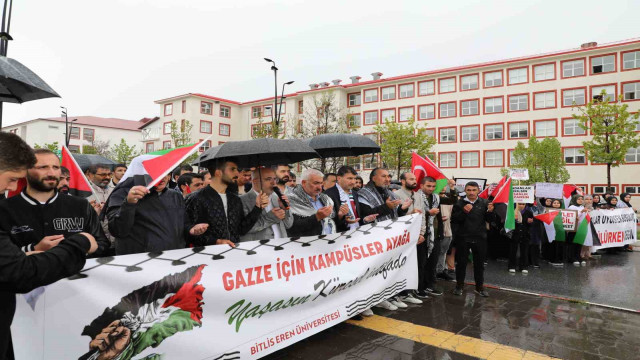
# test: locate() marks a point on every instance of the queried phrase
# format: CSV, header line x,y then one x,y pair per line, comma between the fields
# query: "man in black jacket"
x,y
218,213
346,204
469,217
19,272
40,217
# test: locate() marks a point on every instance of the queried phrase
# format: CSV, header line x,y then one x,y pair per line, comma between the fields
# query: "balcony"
x,y
150,134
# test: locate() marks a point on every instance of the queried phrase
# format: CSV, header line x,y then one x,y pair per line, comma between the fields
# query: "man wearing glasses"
x,y
100,178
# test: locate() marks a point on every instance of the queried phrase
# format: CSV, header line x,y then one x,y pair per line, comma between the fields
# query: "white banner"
x,y
549,190
216,302
519,174
615,228
523,194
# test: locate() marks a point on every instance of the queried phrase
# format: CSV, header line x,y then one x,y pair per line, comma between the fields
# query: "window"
x,y
301,106
224,130
166,145
632,189
76,149
545,100
494,158
74,134
469,82
572,97
493,105
370,117
470,133
388,93
166,128
447,110
266,111
631,91
354,100
447,135
469,107
206,108
601,189
574,156
544,72
518,76
426,88
184,106
88,134
370,161
256,112
545,128
406,113
519,130
519,102
429,132
631,60
469,159
406,91
205,146
596,93
388,115
573,68
570,127
371,95
447,85
448,160
354,120
225,111
168,110
493,79
603,64
205,127
354,162
493,132
512,160
427,112
633,155
148,147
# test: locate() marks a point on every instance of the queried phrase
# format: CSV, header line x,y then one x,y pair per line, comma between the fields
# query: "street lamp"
x,y
67,135
282,97
275,118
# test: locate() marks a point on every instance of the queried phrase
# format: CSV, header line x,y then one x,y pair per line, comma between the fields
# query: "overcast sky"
x,y
114,58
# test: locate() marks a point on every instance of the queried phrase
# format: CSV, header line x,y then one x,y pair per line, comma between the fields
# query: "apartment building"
x,y
477,113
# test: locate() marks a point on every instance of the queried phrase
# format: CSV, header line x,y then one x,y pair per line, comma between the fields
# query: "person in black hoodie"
x,y
20,272
520,238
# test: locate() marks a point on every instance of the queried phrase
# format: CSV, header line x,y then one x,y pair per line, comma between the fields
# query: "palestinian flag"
x,y
154,166
505,196
567,190
485,193
552,222
422,167
152,313
78,183
22,183
496,189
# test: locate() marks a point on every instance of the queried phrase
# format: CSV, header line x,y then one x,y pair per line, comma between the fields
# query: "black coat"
x,y
334,194
205,206
471,227
523,229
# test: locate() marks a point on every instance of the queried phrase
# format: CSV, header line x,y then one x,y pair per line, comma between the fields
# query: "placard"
x,y
461,182
523,194
569,218
549,190
519,174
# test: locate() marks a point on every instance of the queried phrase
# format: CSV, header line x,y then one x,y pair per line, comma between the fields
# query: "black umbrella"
x,y
86,160
335,145
259,152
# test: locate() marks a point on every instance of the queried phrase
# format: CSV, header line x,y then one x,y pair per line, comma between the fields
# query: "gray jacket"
x,y
262,229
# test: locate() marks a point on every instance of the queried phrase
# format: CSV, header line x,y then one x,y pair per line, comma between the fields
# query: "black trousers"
x,y
432,263
534,254
523,244
479,251
422,262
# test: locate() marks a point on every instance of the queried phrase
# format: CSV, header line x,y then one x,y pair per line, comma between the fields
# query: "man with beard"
x,y
39,218
99,177
244,181
282,173
312,209
346,204
118,173
219,213
359,183
63,184
329,181
20,273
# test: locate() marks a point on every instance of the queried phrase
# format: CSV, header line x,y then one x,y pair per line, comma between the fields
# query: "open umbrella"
x,y
259,152
84,161
336,145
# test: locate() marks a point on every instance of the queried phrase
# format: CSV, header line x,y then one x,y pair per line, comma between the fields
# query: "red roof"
x,y
123,124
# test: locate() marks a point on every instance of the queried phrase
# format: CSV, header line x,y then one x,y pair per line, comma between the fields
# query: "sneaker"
x,y
367,312
536,266
421,294
434,291
411,300
482,292
398,303
525,271
444,276
513,271
457,291
583,263
387,305
576,263
556,264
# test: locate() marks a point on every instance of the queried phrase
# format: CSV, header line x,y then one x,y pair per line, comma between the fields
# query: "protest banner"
x,y
217,302
519,174
614,228
549,190
569,218
461,182
523,194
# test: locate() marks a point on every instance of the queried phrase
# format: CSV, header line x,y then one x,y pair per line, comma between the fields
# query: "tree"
x,y
181,133
54,146
399,140
267,129
544,160
613,129
123,153
100,147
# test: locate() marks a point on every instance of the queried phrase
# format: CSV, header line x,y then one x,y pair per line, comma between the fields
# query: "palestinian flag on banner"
x,y
422,167
567,190
552,222
78,183
495,191
505,197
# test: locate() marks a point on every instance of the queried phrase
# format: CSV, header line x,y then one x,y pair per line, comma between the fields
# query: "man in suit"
x,y
346,204
275,218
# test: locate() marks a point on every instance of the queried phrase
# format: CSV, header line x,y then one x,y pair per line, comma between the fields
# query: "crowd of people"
x,y
46,234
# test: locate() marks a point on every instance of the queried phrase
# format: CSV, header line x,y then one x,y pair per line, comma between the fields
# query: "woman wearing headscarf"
x,y
585,251
573,249
557,248
625,202
612,203
538,235
520,238
596,201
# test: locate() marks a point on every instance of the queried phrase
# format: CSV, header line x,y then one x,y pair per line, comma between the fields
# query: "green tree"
x,y
613,129
399,140
123,153
181,133
54,146
89,150
544,160
268,129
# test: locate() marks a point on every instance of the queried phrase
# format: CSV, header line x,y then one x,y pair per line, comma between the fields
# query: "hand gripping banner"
x,y
216,302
